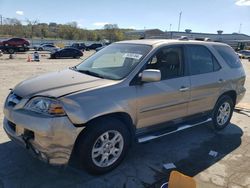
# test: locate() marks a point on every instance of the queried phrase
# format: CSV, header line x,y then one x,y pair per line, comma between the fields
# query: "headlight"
x,y
46,106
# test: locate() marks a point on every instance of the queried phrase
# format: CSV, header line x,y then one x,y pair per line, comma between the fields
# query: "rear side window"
x,y
201,60
229,56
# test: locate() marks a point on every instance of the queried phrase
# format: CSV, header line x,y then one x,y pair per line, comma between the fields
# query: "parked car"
x,y
67,53
130,91
16,42
93,46
48,47
245,54
98,49
13,49
79,46
36,47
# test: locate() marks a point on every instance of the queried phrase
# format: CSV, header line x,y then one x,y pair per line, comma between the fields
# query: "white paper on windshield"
x,y
132,55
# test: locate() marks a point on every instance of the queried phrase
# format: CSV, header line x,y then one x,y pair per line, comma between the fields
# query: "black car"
x,y
79,46
93,46
66,53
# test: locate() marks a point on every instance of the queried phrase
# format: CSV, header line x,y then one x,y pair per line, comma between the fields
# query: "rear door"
x,y
166,100
205,77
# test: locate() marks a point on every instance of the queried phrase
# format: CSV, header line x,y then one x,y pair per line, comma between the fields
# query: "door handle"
x,y
183,89
221,81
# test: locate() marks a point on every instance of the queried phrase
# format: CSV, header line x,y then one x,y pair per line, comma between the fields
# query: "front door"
x,y
167,99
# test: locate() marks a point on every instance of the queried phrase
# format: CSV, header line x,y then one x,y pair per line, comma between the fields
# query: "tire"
x,y
40,49
222,112
11,51
91,150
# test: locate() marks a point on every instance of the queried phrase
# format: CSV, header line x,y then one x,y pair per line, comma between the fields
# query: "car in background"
x,y
79,46
93,46
98,49
48,47
66,53
244,54
36,47
15,42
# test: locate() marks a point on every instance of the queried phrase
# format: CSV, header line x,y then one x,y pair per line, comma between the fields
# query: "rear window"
x,y
229,56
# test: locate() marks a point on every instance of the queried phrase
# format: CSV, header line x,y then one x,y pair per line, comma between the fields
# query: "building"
x,y
236,40
147,33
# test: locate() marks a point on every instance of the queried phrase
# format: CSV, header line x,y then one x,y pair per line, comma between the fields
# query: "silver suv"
x,y
129,91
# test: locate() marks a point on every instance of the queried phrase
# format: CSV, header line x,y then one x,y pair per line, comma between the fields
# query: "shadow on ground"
x,y
143,166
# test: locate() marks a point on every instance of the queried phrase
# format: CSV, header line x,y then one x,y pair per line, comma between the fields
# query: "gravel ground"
x,y
143,166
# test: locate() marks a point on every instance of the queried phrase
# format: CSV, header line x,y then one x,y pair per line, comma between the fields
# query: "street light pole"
x,y
1,19
179,21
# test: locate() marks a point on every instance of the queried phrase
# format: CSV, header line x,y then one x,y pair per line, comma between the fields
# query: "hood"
x,y
59,84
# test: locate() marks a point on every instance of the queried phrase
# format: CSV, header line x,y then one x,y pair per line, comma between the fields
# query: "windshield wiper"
x,y
90,73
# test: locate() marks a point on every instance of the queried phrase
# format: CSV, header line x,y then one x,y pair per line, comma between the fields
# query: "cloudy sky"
x,y
198,15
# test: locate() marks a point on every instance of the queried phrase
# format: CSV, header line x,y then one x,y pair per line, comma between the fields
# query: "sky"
x,y
197,15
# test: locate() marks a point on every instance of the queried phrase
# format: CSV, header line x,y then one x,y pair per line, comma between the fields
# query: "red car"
x,y
16,42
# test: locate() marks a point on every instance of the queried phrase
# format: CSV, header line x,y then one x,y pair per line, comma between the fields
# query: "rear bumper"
x,y
49,139
240,95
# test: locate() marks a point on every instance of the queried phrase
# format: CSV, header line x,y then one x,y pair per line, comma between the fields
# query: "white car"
x,y
48,47
244,54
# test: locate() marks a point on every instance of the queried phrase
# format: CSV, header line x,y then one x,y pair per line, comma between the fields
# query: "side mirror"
x,y
151,75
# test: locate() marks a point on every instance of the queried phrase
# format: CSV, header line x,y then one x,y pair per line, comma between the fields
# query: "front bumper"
x,y
51,139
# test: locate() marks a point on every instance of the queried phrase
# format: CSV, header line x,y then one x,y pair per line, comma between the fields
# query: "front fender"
x,y
81,109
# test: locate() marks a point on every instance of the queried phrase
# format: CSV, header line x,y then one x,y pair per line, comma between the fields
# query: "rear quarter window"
x,y
229,56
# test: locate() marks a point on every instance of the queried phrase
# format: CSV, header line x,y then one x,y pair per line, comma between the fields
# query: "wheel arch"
x,y
122,116
230,93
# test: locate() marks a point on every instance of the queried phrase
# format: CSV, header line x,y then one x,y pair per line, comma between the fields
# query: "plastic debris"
x,y
169,166
213,153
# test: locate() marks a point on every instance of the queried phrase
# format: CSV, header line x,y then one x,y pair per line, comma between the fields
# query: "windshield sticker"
x,y
132,55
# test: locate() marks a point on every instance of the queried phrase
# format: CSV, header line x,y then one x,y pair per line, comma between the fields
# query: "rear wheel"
x,y
11,51
222,112
103,145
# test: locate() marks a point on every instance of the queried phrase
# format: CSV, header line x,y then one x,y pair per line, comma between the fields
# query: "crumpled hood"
x,y
59,83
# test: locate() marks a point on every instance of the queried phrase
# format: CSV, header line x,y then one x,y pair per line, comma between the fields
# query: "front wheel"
x,y
103,145
222,112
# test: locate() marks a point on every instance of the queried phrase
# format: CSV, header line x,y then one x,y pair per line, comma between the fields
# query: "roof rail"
x,y
183,38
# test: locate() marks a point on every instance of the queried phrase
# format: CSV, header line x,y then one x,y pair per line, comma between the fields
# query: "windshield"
x,y
115,61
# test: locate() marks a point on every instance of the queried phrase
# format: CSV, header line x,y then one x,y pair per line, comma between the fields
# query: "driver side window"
x,y
169,60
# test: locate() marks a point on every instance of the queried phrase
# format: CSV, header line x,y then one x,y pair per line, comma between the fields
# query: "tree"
x,y
72,24
110,26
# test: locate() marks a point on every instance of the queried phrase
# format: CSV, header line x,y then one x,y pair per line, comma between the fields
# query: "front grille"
x,y
12,126
13,99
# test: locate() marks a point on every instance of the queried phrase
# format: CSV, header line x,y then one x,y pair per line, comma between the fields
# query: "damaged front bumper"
x,y
51,139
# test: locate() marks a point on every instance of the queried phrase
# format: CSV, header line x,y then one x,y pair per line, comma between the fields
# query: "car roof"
x,y
157,42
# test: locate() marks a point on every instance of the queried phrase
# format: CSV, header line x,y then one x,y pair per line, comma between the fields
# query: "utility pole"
x,y
179,21
170,26
1,19
240,28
